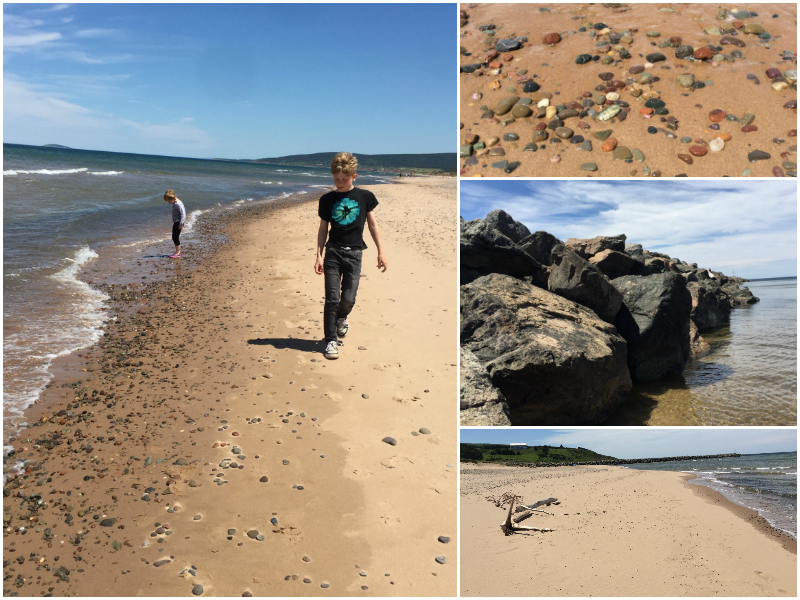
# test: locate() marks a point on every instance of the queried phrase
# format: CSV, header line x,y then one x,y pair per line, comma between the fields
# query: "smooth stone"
x,y
465,151
655,57
638,155
441,560
252,534
576,139
586,145
525,102
564,132
582,59
507,121
789,165
512,166
197,517
589,166
497,151
655,103
444,539
603,135
501,164
197,590
609,113
685,80
742,14
389,440
507,137
712,30
622,153
716,145
520,111
532,147
747,119
506,105
653,34
531,86
510,44
754,29
758,155
107,522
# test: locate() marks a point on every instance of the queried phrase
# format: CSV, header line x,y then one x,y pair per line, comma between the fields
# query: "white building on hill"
x,y
521,446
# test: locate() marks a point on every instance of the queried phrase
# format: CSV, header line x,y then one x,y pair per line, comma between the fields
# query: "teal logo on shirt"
x,y
345,211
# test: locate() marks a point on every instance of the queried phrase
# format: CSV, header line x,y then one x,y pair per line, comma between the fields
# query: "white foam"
x,y
47,172
106,172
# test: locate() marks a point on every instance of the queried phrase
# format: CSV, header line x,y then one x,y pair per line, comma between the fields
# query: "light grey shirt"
x,y
178,213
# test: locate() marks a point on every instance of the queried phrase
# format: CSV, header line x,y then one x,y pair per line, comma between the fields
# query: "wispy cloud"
x,y
31,39
717,224
96,33
82,57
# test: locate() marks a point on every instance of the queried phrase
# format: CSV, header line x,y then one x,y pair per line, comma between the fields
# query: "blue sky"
x,y
646,442
745,227
231,80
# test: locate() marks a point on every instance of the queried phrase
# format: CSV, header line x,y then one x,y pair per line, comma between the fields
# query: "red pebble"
x,y
703,53
778,172
541,126
792,133
686,158
749,128
773,73
552,38
716,115
508,57
698,150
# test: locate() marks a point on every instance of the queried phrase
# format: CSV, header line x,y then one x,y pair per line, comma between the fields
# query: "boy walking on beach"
x,y
178,219
345,210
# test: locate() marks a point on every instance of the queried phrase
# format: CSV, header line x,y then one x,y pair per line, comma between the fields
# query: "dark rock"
x,y
389,440
613,264
576,279
481,402
530,87
655,57
654,320
108,522
756,155
699,347
197,590
506,225
710,305
539,245
484,250
510,44
587,248
554,361
444,539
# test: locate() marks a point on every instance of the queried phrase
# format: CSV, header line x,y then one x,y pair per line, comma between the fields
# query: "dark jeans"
x,y
342,271
176,234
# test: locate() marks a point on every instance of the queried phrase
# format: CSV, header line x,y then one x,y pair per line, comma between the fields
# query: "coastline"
x,y
618,532
242,323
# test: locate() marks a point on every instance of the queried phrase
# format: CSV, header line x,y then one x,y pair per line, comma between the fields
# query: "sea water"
x,y
64,209
749,378
766,483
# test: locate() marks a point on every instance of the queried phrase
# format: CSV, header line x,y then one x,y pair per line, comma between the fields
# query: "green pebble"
x,y
589,166
231,532
638,156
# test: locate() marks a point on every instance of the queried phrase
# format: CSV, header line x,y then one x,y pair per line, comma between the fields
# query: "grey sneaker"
x,y
331,351
342,327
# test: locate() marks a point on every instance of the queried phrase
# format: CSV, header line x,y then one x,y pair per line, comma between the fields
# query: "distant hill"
x,y
443,161
56,146
533,454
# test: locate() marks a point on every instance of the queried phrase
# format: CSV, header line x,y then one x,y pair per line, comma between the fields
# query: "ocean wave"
x,y
106,172
46,171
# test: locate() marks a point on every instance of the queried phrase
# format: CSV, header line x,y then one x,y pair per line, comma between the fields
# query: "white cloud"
x,y
82,57
96,33
31,39
57,7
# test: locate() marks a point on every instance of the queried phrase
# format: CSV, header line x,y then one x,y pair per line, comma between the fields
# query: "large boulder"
x,y
503,222
699,347
484,250
539,245
587,248
555,362
710,305
481,402
654,320
576,279
614,264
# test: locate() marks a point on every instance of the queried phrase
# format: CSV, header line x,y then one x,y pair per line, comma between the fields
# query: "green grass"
x,y
538,454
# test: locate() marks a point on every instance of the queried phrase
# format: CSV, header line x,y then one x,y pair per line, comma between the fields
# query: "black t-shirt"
x,y
347,213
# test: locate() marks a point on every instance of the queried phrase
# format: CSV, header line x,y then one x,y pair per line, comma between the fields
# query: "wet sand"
x,y
206,441
554,69
618,532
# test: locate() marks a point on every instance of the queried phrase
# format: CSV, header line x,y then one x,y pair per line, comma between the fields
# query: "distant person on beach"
x,y
178,219
345,210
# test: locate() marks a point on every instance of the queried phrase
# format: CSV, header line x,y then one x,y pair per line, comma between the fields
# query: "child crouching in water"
x,y
345,210
178,219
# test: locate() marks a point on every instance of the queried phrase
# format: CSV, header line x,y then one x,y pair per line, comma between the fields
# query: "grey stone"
x,y
481,402
538,245
576,279
506,225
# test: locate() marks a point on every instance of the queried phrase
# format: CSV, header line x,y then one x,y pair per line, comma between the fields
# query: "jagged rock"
x,y
614,264
481,402
737,296
484,250
634,250
654,320
503,222
539,245
710,305
587,248
699,347
555,361
576,279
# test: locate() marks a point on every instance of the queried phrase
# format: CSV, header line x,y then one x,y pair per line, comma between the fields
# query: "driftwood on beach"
x,y
511,525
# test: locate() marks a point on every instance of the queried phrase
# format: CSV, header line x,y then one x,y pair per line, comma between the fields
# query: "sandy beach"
x,y
618,532
206,442
738,85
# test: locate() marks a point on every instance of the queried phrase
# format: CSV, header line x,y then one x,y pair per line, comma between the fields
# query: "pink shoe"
x,y
174,255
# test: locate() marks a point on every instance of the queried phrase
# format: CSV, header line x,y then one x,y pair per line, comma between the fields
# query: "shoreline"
x,y
152,424
618,532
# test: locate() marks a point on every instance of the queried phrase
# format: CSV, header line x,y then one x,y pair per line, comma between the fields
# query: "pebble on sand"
x,y
390,440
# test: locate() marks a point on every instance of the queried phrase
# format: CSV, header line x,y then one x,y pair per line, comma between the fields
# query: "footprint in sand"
x,y
764,576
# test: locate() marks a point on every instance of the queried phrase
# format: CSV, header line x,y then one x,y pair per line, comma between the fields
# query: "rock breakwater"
x,y
555,333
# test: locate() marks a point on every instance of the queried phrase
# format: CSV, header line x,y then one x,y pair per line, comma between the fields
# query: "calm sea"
x,y
766,483
64,209
750,377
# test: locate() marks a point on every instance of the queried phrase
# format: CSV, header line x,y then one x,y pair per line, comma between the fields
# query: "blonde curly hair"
x,y
344,162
